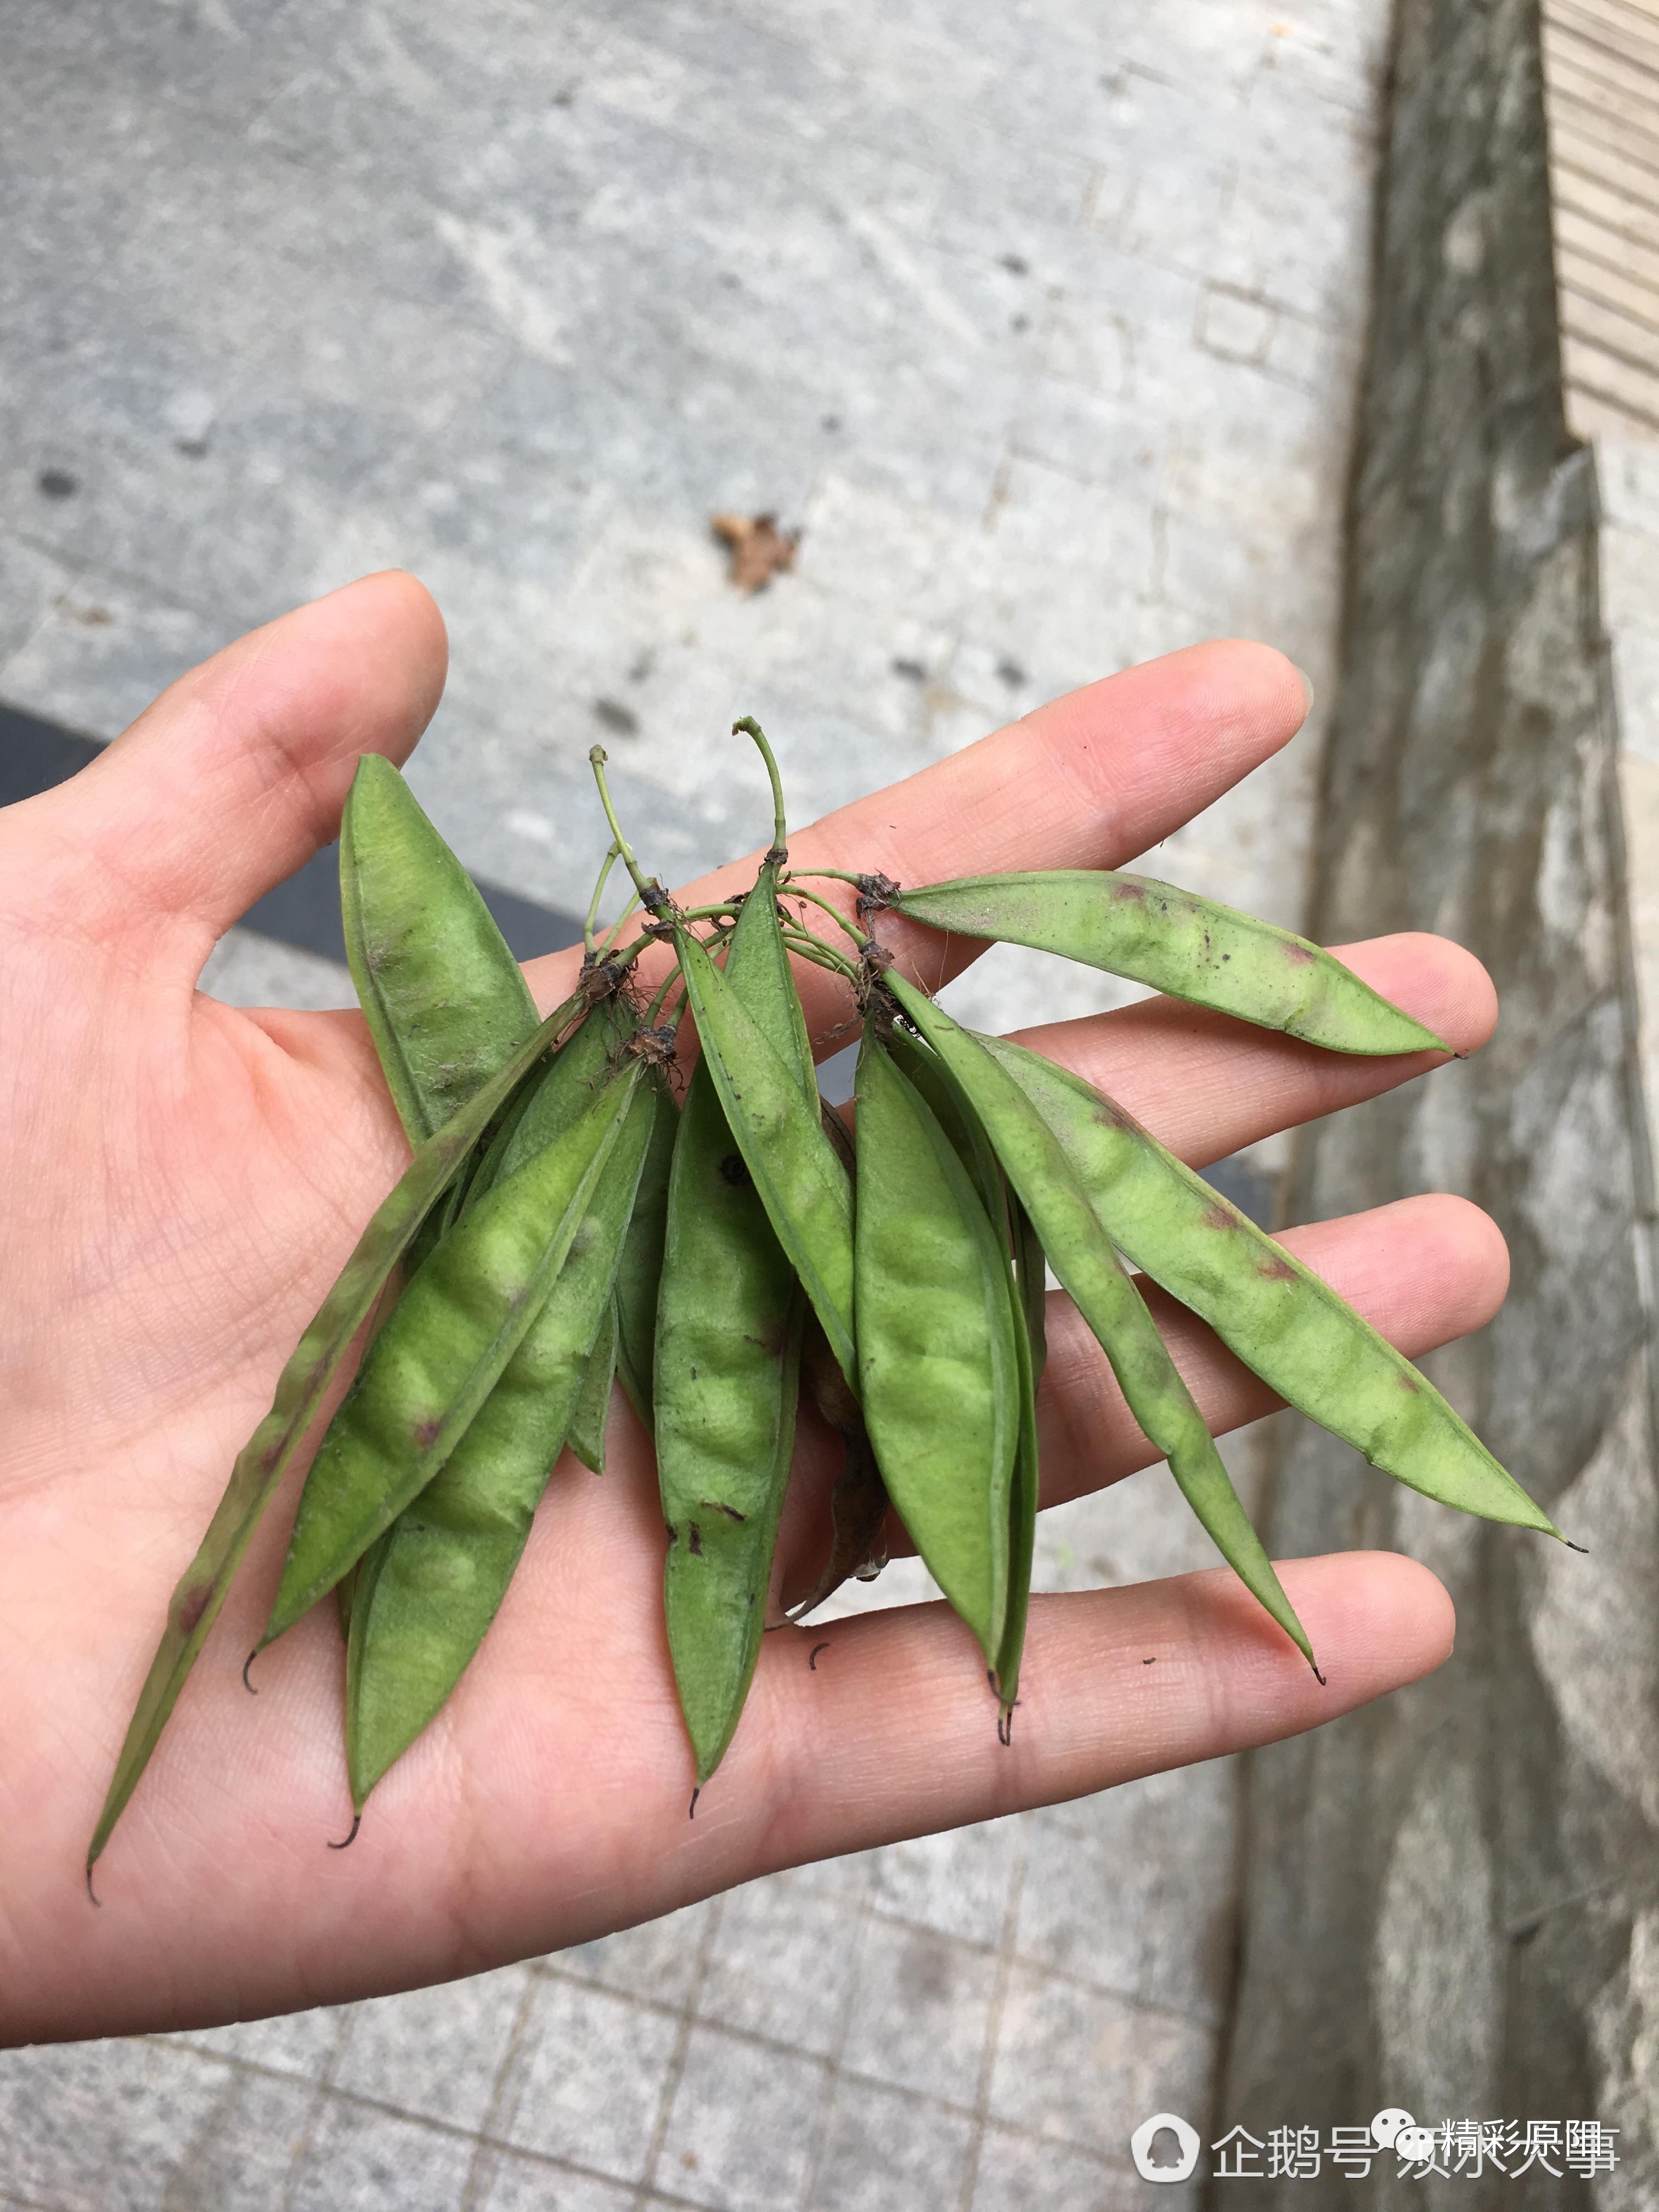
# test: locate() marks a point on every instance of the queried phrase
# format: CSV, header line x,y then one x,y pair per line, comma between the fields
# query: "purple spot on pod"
x,y
1276,1271
1217,1217
188,1619
427,1433
1129,891
1410,1382
1299,956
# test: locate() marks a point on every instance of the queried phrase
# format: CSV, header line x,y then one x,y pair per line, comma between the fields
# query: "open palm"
x,y
182,1182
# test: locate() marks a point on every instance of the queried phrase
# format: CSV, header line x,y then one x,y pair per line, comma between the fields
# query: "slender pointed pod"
x,y
728,1336
939,1372
445,1001
639,1270
1285,1324
441,1572
1024,1488
1189,946
1026,1286
1083,1257
436,1360
780,1134
592,1410
300,1387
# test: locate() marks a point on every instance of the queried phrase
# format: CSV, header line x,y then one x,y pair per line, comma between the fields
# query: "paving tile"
x,y
300,2043
1020,2173
104,2122
956,1883
592,2074
1132,1890
784,1960
921,2012
363,2160
657,1960
882,2149
531,2184
434,2052
739,2135
1073,2063
243,2160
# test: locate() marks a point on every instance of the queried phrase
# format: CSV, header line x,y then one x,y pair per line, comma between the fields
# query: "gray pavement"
x,y
1041,327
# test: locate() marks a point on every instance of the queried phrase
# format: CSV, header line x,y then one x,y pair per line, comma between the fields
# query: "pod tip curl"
x,y
350,1839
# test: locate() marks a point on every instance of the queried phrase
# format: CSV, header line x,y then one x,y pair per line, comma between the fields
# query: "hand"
x,y
182,1182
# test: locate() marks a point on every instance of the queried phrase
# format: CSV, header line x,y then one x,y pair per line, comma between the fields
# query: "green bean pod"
x,y
1285,1324
464,1315
1025,1490
592,1410
639,1272
727,1362
1083,1257
780,1134
445,1001
1191,947
300,1387
1024,1277
458,1556
939,1372
433,1584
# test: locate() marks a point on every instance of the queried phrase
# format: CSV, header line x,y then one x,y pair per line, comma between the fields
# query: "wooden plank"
x,y
1617,159
1636,47
1621,275
1635,342
1614,210
1610,112
1602,93
1603,376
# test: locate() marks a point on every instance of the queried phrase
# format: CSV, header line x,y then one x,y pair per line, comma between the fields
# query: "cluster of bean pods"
x,y
567,1221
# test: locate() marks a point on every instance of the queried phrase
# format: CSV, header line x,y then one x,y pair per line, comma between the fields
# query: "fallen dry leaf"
x,y
759,550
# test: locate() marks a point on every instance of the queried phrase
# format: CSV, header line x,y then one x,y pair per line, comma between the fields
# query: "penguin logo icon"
x,y
1145,2136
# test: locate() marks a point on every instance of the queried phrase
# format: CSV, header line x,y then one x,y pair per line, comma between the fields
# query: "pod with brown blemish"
x,y
1083,1258
445,1001
939,1372
436,1579
1023,1279
1189,946
465,1312
1285,1324
300,1389
780,1134
729,1322
639,1271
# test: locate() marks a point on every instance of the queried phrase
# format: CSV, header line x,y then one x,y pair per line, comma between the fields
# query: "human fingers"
x,y
1089,781
236,774
1206,1085
892,1733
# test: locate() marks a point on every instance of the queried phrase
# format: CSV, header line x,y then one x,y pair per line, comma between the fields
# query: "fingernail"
x,y
1307,685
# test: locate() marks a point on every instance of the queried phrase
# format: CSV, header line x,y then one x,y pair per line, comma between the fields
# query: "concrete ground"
x,y
1041,326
